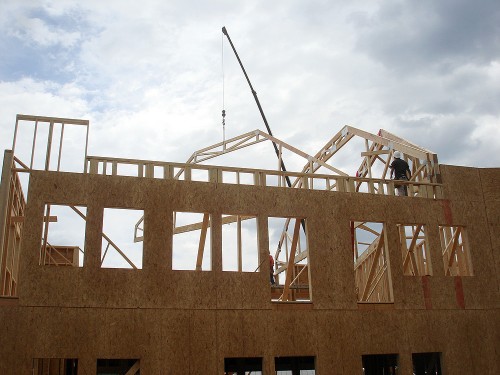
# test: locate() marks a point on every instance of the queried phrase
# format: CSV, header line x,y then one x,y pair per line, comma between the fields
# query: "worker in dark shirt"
x,y
400,171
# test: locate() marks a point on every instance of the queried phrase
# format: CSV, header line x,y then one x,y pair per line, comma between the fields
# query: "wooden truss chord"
x,y
371,268
455,251
135,368
291,261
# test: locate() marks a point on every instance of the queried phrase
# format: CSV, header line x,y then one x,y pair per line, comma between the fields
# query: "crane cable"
x,y
223,104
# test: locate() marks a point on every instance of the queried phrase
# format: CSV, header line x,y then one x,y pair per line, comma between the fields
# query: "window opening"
x,y
295,365
290,251
55,366
118,366
63,235
414,250
191,241
371,263
426,363
243,366
380,364
239,243
455,251
119,247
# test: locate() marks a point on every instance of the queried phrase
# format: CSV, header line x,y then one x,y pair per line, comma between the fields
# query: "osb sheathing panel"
x,y
194,342
461,183
490,181
328,216
187,319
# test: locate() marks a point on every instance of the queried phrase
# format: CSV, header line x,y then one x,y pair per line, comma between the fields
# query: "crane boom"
x,y
254,93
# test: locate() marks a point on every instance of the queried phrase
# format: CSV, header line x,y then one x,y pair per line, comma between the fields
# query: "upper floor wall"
x,y
328,217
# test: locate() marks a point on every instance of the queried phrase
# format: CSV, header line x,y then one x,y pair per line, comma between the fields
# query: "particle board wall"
x,y
190,320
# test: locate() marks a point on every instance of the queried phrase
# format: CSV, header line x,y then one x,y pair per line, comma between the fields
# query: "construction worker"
x,y
400,171
271,269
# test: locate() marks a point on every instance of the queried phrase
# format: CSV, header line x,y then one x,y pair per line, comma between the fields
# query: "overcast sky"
x,y
148,74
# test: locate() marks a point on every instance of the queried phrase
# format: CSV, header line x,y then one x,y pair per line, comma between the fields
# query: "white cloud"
x,y
35,30
148,75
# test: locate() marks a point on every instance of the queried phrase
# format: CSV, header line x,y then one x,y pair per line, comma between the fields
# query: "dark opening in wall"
x,y
294,365
108,366
426,363
55,366
380,364
243,366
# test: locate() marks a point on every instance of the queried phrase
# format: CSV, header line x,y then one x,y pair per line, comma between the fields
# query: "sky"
x,y
153,76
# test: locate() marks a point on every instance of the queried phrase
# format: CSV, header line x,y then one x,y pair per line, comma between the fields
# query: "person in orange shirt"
x,y
271,269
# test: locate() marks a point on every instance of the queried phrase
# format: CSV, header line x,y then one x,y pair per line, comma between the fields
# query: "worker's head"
x,y
397,155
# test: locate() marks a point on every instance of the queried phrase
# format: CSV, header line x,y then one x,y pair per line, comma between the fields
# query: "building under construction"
x,y
365,281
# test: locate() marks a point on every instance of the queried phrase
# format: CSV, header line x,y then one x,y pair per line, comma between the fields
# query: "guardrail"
x,y
255,177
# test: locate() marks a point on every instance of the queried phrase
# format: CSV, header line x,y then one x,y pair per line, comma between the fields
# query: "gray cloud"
x,y
436,35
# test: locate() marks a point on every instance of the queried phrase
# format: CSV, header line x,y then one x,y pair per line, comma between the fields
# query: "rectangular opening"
x,y
288,248
245,178
243,366
426,363
414,250
158,171
200,175
371,262
125,169
273,180
295,365
55,366
240,250
63,236
120,248
118,366
378,364
191,248
455,251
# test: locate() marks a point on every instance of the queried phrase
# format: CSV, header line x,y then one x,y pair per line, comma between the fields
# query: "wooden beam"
x,y
368,229
52,119
453,243
405,148
376,152
373,267
291,261
119,251
203,237
135,367
199,225
410,254
380,273
301,256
